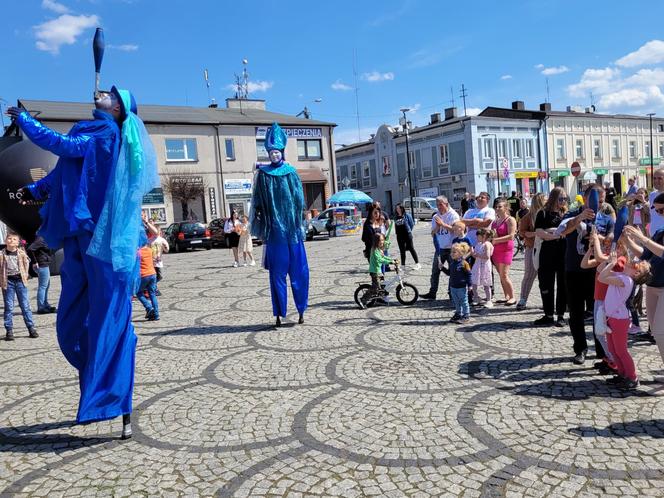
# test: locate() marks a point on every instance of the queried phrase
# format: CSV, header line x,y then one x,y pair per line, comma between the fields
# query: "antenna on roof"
x,y
548,97
463,95
207,84
242,82
452,97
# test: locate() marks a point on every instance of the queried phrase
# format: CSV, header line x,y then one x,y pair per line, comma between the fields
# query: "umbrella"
x,y
349,195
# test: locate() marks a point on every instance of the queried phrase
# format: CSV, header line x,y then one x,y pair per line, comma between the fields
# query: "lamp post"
x,y
495,139
652,145
404,122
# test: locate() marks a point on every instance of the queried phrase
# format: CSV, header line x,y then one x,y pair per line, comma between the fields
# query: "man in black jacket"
x,y
41,257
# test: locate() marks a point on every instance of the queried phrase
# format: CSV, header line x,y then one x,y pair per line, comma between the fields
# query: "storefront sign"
x,y
213,201
428,192
241,186
293,132
601,171
154,196
558,173
645,161
193,180
526,174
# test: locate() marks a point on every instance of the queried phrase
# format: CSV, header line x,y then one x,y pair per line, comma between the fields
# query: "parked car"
x,y
325,222
218,236
423,207
183,235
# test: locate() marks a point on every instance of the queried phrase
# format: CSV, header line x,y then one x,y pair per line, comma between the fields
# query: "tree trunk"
x,y
185,210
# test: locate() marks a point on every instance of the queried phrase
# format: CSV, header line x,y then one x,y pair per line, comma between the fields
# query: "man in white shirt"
x,y
656,219
480,217
441,231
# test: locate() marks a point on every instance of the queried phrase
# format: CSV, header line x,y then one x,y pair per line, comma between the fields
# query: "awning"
x,y
601,171
311,175
558,173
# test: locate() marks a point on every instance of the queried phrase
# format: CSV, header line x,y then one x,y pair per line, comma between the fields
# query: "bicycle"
x,y
406,293
518,245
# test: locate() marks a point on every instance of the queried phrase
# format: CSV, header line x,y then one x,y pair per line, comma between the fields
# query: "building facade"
x,y
215,152
447,157
609,148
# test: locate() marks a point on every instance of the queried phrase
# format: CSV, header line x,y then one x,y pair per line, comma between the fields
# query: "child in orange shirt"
x,y
148,283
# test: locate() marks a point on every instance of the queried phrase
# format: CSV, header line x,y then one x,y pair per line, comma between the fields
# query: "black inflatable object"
x,y
21,163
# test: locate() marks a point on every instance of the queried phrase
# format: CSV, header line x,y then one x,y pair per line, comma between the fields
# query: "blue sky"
x,y
408,53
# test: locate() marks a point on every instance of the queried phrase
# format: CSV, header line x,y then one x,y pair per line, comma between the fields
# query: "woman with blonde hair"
x,y
527,233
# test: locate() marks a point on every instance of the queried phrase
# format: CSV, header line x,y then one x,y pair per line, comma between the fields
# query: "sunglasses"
x,y
563,199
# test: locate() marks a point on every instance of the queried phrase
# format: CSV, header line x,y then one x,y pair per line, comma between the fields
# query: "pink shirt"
x,y
616,298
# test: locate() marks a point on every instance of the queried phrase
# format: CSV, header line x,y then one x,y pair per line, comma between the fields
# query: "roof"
x,y
166,114
504,112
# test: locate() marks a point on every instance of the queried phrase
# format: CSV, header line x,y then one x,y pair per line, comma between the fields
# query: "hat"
x,y
275,138
132,107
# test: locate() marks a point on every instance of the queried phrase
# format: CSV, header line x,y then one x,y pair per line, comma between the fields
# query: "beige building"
x,y
218,149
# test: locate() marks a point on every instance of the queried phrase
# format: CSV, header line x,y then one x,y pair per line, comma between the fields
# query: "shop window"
x,y
309,149
261,151
230,149
181,149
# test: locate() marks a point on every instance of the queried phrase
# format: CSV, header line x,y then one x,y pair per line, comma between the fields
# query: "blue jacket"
x,y
76,187
459,273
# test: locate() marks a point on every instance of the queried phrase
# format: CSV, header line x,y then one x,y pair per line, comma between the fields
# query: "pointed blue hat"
x,y
275,138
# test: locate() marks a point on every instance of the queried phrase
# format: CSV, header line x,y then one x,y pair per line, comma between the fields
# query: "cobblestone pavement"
x,y
392,401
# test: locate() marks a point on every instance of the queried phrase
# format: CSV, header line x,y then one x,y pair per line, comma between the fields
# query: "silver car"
x,y
323,222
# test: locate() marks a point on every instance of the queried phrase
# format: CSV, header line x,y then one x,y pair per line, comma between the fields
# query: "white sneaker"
x,y
244,264
488,304
235,265
417,266
634,329
253,263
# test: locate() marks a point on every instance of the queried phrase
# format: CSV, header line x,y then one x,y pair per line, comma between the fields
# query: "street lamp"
x,y
404,122
306,111
495,139
652,167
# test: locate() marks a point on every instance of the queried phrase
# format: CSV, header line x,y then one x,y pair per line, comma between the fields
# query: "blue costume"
x,y
277,209
94,211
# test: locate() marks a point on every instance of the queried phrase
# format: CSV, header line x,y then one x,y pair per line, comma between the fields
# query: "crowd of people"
x,y
592,256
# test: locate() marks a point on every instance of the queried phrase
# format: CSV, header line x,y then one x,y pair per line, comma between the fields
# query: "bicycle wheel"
x,y
518,245
362,292
407,293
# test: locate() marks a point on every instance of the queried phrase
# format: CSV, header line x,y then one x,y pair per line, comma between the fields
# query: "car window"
x,y
191,226
432,205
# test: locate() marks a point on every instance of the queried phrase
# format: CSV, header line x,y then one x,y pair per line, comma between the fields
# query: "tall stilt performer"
x,y
277,217
93,210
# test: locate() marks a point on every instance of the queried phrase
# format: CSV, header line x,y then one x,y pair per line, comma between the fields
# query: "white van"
x,y
423,207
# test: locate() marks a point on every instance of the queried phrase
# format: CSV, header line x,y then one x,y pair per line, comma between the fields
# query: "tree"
x,y
184,188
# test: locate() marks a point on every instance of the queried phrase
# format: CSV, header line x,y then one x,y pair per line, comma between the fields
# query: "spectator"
x,y
159,246
631,191
610,194
465,203
41,255
580,282
148,283
232,231
513,201
504,227
551,271
441,229
14,264
527,233
523,209
479,217
639,211
375,223
403,223
656,218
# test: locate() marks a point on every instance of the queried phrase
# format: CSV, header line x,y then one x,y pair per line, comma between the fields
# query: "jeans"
x,y
149,284
406,244
460,300
18,289
440,255
44,275
580,285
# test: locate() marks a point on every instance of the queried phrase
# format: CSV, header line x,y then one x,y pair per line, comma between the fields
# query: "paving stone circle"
x,y
391,401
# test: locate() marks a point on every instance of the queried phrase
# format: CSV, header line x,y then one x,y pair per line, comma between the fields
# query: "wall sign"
x,y
293,132
213,201
239,186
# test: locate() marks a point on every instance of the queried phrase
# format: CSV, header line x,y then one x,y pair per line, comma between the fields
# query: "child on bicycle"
x,y
376,260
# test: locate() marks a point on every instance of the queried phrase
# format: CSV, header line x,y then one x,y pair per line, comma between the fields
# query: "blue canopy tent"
x,y
349,196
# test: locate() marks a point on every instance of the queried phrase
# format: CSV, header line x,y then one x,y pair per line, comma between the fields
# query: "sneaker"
x,y
235,265
244,264
455,318
464,320
521,305
33,333
10,335
598,364
428,295
488,304
544,321
605,369
417,266
615,380
634,329
253,263
580,358
629,384
560,322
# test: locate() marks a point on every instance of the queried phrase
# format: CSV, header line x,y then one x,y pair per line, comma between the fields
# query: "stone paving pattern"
x,y
393,401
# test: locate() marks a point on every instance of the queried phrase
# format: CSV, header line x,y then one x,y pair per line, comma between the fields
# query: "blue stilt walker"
x,y
277,209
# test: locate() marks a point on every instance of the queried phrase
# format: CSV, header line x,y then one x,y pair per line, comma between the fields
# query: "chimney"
x,y
213,104
518,105
435,118
546,106
372,136
450,113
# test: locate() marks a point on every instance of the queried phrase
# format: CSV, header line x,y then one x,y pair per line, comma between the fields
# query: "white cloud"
x,y
54,6
412,109
506,77
473,111
254,86
539,66
597,81
550,71
63,30
650,96
375,76
339,85
647,77
127,47
650,53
